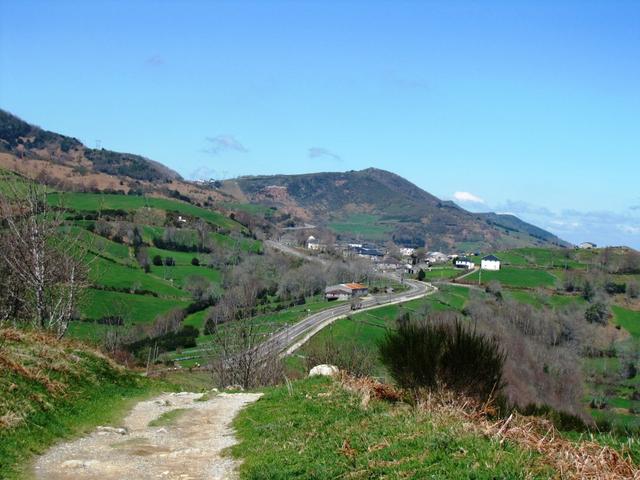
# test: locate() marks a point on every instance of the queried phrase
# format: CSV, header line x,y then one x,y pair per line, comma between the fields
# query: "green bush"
x,y
597,313
434,355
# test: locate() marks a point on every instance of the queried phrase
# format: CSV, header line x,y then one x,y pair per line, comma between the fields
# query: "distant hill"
x,y
377,205
65,162
27,141
369,205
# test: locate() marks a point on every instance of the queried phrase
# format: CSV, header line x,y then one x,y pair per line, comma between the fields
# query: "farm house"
x,y
463,262
345,291
490,262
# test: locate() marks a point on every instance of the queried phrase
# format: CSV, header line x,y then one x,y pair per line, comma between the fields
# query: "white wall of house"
x,y
490,264
467,265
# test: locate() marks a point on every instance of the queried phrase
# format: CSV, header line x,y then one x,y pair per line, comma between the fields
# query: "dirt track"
x,y
189,448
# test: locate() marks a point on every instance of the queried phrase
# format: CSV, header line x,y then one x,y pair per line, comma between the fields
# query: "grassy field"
x,y
114,275
543,299
316,429
541,258
628,319
101,201
441,273
361,224
133,308
514,277
178,275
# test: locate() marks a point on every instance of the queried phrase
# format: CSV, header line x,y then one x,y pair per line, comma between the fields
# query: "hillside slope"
x,y
66,163
374,204
51,389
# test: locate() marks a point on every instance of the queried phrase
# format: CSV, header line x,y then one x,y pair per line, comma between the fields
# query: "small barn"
x,y
463,262
490,262
345,291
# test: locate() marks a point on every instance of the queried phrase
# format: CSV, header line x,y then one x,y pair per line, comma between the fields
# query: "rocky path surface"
x,y
188,448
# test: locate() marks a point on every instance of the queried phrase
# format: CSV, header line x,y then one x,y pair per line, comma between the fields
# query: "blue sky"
x,y
531,108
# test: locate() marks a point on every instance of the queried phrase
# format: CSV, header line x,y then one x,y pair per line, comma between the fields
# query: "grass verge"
x,y
52,390
317,429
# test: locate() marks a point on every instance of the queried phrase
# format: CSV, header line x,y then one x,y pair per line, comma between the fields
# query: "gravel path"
x,y
188,448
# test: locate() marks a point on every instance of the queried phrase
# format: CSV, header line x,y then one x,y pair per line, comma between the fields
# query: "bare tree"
x,y
43,258
236,355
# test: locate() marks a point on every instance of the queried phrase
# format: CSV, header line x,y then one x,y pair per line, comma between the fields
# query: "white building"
x,y
464,262
407,252
313,243
587,245
437,257
490,262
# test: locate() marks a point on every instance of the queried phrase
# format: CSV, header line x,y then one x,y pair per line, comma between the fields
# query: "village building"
x,y
437,257
371,253
587,245
407,251
490,262
312,243
345,291
389,264
463,262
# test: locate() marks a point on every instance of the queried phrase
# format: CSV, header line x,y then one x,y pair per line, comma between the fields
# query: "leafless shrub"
x,y
236,358
43,261
542,366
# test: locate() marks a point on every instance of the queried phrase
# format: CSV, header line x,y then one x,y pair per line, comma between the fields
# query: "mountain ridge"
x,y
369,205
411,214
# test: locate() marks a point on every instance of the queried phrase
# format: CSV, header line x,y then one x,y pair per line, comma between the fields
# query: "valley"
x,y
195,285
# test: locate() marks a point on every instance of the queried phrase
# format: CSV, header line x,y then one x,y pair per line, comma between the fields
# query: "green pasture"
x,y
102,201
627,319
361,224
111,274
178,275
134,309
514,277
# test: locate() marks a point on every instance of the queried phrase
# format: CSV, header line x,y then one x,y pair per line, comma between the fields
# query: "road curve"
x,y
291,338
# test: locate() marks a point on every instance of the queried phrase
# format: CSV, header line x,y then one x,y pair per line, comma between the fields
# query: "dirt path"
x,y
187,448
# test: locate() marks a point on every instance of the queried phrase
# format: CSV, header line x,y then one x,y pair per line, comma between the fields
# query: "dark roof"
x,y
463,259
369,251
492,258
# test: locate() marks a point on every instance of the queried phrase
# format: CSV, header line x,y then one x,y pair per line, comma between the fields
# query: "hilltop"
x,y
377,205
66,163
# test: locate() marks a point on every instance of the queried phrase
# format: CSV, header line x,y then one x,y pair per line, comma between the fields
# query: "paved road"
x,y
293,337
295,252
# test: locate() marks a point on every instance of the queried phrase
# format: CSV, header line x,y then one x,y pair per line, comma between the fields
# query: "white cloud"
x,y
315,152
630,229
467,197
224,143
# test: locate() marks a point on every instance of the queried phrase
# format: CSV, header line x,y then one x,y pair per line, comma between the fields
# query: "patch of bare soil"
x,y
188,447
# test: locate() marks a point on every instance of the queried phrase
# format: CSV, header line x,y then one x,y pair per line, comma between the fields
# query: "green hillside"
x,y
376,205
125,283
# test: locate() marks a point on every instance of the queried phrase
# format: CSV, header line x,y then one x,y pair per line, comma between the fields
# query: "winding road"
x,y
291,338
